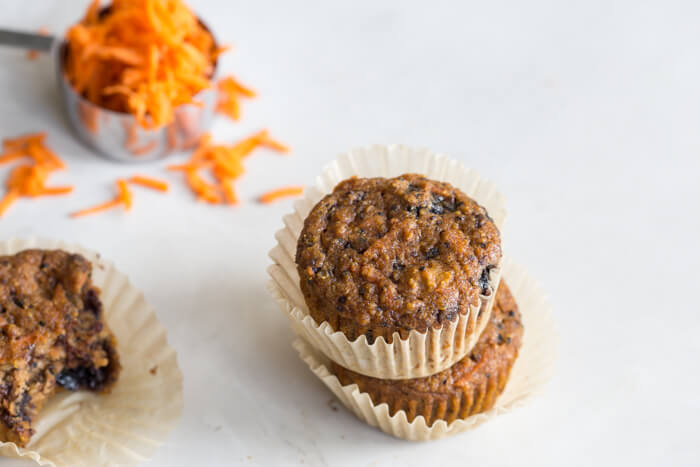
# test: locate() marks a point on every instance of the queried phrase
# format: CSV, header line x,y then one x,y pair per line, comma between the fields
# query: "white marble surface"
x,y
585,114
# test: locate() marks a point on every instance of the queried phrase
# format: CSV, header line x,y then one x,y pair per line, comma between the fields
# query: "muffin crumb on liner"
x,y
422,353
531,371
127,425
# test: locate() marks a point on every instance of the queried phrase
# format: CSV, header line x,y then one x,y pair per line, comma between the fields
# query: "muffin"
x,y
379,256
468,387
52,335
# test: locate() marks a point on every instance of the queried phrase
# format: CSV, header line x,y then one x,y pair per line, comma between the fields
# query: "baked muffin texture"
x,y
468,387
52,335
379,256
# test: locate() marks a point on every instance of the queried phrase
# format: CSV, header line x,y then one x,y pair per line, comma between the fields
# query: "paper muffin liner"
x,y
529,374
422,353
127,425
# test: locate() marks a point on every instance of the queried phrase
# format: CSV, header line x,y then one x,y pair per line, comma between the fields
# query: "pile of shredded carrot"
x,y
225,163
144,57
124,196
29,178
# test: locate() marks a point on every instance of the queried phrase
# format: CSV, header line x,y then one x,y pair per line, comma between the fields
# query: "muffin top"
x,y
378,256
474,381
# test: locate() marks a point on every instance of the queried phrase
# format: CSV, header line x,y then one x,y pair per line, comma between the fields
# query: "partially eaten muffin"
x,y
52,336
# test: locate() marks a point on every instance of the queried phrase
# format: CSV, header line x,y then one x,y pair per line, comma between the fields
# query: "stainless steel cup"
x,y
117,135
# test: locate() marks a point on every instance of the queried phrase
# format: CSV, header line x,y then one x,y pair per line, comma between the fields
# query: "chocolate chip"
x,y
436,209
511,313
432,253
92,303
485,280
88,377
342,299
17,301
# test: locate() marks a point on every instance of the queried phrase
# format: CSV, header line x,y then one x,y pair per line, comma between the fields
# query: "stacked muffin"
x,y
401,278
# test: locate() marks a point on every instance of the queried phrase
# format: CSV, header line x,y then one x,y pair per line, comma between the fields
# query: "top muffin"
x,y
379,256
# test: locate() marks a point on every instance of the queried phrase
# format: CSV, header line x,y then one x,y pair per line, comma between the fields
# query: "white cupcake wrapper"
x,y
422,353
531,371
127,425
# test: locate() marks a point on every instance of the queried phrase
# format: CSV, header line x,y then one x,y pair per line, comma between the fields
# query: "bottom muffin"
x,y
468,387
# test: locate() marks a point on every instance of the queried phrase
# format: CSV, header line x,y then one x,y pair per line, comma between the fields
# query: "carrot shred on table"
x,y
59,190
124,194
230,91
29,178
149,182
10,156
7,200
225,163
144,57
280,193
99,208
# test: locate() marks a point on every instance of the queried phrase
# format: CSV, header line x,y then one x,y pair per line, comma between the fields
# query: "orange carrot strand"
x,y
99,208
124,193
280,193
7,200
149,183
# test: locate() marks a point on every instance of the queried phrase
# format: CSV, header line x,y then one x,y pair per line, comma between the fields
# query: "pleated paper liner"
x,y
422,353
531,371
126,426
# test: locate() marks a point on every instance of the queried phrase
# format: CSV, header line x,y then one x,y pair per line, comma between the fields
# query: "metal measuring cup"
x,y
117,135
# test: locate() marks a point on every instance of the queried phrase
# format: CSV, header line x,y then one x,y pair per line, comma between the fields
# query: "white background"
x,y
586,114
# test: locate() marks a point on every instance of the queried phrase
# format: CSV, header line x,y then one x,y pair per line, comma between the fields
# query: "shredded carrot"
x,y
29,178
7,200
99,208
144,57
268,142
225,163
123,198
34,54
280,193
124,193
11,156
230,91
59,190
149,182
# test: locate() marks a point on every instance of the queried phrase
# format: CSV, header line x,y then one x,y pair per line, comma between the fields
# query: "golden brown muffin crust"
x,y
378,255
51,334
470,386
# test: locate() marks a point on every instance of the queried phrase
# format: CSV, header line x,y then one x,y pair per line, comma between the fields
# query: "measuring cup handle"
x,y
26,40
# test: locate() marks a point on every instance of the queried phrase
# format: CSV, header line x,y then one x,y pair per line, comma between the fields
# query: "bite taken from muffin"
x,y
52,336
